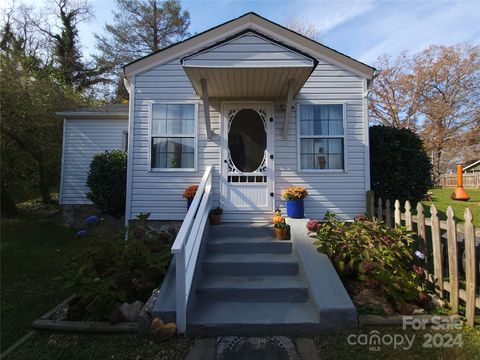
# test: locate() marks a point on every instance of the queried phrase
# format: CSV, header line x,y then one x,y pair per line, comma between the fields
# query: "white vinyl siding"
x,y
160,193
83,139
248,51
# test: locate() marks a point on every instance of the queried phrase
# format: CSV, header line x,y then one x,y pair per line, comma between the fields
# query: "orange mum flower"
x,y
190,192
294,193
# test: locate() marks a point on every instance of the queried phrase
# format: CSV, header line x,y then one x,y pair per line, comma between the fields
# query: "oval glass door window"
x,y
247,140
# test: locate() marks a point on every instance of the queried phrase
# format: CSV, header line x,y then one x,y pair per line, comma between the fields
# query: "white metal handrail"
x,y
187,246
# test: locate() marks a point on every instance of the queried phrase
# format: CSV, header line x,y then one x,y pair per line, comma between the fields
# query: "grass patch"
x,y
338,346
33,252
47,346
441,199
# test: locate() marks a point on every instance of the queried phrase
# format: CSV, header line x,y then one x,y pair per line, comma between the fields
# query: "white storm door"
x,y
247,157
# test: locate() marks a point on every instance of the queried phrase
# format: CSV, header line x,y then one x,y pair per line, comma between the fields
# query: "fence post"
x,y
437,251
398,218
452,258
380,209
388,213
471,264
408,215
370,203
421,233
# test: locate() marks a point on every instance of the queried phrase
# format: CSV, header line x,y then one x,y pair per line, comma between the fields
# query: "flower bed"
x,y
113,278
379,266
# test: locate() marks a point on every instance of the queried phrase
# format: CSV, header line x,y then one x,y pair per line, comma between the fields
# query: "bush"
x,y
376,255
400,168
107,180
113,271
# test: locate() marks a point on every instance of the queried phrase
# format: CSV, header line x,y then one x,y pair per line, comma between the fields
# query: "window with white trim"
x,y
322,139
173,136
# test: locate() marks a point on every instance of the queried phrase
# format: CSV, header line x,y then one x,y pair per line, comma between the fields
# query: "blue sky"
x,y
363,29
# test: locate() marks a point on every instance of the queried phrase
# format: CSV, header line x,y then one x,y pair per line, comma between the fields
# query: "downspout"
x,y
130,85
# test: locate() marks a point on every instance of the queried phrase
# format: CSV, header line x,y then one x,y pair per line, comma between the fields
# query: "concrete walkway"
x,y
254,348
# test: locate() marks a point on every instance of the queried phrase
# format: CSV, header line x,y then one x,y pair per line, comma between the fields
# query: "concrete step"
x,y
241,232
250,264
252,318
253,289
249,246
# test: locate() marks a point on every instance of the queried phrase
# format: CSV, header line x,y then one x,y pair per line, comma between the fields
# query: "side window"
x,y
173,136
322,137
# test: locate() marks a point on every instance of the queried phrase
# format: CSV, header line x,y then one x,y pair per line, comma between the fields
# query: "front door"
x,y
247,157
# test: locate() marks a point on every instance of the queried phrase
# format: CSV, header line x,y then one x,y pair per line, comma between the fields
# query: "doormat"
x,y
256,348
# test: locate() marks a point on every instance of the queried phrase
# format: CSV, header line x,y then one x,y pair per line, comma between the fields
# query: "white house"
x,y
251,107
264,105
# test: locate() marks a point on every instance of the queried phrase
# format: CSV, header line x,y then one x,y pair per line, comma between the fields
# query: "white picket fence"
x,y
418,222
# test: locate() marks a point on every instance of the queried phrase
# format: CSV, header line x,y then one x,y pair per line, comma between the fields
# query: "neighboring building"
x,y
472,168
87,132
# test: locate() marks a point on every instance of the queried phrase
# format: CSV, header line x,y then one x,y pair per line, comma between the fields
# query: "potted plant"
x,y
293,196
216,215
189,194
280,226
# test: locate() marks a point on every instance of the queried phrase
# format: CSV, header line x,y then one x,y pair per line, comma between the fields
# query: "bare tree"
x,y
303,27
447,81
392,101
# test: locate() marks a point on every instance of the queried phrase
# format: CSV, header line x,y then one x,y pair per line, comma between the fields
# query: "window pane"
x,y
321,146
306,146
335,146
307,161
335,112
173,152
335,162
188,112
321,120
188,126
335,127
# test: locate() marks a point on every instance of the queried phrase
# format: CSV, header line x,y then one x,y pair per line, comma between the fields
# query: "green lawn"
x,y
33,252
441,198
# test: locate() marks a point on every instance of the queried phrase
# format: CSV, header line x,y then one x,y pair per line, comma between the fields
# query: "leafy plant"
x,y
216,211
114,271
370,252
107,182
400,167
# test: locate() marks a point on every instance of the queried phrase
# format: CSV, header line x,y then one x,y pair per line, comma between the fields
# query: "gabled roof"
x,y
255,22
103,111
472,164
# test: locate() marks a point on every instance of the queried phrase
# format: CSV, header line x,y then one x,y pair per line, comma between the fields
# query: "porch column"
x,y
206,109
288,109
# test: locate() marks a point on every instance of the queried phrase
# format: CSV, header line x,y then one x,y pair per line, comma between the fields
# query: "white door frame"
x,y
270,158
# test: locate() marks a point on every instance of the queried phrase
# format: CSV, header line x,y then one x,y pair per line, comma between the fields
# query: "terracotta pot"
x,y
281,234
215,219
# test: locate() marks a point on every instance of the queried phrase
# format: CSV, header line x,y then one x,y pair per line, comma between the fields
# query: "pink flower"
x,y
314,225
418,270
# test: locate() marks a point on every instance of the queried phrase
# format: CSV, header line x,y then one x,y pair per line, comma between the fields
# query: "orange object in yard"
x,y
459,193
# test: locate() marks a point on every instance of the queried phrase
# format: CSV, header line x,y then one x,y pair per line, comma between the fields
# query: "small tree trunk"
x,y
43,185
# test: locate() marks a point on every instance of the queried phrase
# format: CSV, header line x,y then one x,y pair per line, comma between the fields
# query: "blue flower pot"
x,y
295,209
189,202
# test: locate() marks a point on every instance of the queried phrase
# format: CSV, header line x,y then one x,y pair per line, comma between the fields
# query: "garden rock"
x,y
162,331
370,299
131,311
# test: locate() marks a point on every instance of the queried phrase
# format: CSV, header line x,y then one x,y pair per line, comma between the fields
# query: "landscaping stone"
x,y
131,311
162,331
369,299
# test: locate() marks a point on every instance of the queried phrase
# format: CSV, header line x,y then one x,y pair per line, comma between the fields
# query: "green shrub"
x,y
399,166
107,182
370,252
113,271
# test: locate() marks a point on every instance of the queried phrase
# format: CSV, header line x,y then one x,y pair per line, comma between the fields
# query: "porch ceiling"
x,y
249,82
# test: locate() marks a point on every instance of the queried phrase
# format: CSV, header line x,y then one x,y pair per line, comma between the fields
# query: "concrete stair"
x,y
250,285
